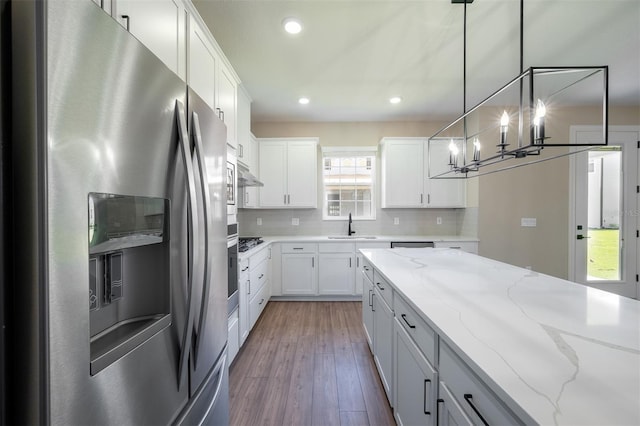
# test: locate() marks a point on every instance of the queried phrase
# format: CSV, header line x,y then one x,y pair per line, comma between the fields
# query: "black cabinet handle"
x,y
260,277
438,402
261,302
468,397
424,397
372,307
371,298
128,19
379,286
404,317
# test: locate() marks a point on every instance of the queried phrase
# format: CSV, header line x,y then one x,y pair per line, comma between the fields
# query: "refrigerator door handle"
x,y
204,303
192,222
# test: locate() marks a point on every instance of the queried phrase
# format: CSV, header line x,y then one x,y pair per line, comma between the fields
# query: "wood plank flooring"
x,y
307,363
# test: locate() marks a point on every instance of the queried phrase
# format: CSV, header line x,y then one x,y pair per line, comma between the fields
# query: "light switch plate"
x,y
295,221
259,221
396,221
528,222
438,221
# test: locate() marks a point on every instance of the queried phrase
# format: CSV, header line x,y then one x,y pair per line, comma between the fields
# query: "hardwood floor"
x,y
307,363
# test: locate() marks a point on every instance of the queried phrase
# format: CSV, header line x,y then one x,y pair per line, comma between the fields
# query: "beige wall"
x,y
538,191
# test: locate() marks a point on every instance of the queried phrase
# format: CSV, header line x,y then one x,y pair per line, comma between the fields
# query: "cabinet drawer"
x,y
299,247
257,304
478,402
258,258
336,247
367,269
384,288
416,327
258,276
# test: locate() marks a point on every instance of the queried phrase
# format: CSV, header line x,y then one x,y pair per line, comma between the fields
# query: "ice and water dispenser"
x,y
129,277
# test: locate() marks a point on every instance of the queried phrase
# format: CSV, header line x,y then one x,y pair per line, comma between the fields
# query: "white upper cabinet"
x,y
227,101
243,150
159,25
202,63
405,176
442,192
402,172
288,170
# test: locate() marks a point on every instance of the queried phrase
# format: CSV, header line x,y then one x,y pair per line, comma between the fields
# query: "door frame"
x,y
574,130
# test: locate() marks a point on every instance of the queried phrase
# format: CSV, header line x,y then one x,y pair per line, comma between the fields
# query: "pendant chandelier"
x,y
510,126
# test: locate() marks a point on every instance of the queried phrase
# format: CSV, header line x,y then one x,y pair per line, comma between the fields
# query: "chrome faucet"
x,y
350,221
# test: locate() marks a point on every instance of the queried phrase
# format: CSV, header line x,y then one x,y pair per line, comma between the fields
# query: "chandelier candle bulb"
x,y
538,122
504,128
476,150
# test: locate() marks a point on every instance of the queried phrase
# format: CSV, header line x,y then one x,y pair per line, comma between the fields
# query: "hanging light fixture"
x,y
524,107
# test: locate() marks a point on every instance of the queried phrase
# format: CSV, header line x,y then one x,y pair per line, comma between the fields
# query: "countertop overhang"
x,y
556,352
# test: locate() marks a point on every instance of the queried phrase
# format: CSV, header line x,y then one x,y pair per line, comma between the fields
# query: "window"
x,y
348,180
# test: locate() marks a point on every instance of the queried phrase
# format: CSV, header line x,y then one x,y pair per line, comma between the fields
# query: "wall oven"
x,y
232,264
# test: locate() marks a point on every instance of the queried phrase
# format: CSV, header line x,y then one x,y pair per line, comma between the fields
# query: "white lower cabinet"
x,y
477,401
337,263
383,342
258,303
367,307
449,412
233,336
415,382
253,287
299,263
244,293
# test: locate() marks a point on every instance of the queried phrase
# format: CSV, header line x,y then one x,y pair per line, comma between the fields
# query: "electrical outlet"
x,y
438,220
295,221
259,221
396,221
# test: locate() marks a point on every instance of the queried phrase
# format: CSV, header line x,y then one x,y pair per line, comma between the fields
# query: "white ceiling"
x,y
353,55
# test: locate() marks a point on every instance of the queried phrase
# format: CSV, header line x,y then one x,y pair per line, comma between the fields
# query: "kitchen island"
x,y
543,350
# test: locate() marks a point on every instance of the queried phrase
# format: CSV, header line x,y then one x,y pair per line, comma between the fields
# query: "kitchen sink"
x,y
352,237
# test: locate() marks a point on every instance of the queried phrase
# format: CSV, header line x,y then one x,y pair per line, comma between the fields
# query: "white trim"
x,y
573,137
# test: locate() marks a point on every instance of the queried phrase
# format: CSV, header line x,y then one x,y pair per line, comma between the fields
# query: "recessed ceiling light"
x,y
292,26
303,101
395,100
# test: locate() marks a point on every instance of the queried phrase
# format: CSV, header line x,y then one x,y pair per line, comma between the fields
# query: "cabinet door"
x,y
243,125
143,19
202,64
383,342
442,192
449,412
335,274
402,173
301,174
367,308
244,295
227,101
258,303
299,274
415,383
273,173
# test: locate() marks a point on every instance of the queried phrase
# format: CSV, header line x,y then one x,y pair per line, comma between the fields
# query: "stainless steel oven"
x,y
232,264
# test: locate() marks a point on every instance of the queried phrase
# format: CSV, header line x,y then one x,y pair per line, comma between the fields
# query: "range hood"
x,y
245,178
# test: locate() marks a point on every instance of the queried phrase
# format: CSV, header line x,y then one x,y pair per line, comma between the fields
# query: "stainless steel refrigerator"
x,y
116,289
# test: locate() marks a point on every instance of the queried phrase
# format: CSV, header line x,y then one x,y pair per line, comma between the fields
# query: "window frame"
x,y
349,152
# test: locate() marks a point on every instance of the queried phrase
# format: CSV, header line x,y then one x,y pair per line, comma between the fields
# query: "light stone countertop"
x,y
556,352
356,239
